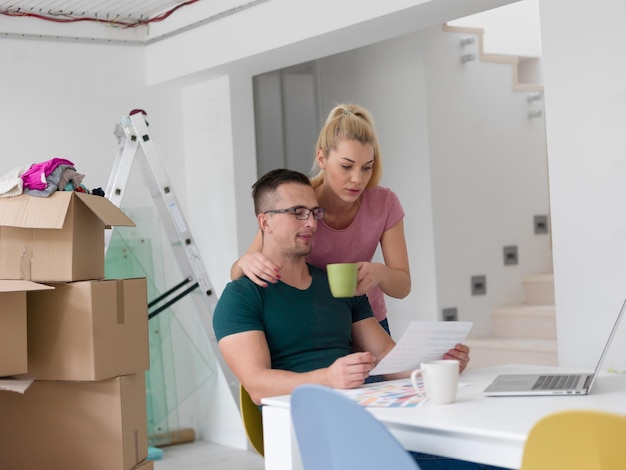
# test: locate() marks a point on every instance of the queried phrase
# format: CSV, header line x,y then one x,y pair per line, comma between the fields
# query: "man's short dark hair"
x,y
270,181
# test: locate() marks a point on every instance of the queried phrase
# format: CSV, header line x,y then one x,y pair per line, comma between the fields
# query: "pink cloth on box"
x,y
36,176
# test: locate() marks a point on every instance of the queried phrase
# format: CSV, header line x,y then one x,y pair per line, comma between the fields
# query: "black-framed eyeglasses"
x,y
301,212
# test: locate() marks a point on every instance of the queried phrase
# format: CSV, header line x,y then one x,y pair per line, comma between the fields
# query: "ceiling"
x,y
123,21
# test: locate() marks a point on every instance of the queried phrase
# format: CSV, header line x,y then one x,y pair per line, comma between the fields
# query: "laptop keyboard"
x,y
555,382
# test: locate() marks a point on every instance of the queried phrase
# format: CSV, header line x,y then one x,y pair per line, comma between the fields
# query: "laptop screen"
x,y
608,343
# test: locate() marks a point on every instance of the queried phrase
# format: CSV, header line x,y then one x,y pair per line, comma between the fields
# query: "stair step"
x,y
539,289
520,344
485,352
524,321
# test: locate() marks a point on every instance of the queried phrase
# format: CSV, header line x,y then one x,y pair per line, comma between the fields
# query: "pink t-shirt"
x,y
380,210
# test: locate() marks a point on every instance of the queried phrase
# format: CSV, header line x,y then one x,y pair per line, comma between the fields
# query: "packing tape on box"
x,y
25,261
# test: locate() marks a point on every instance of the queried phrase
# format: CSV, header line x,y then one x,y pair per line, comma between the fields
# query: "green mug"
x,y
342,278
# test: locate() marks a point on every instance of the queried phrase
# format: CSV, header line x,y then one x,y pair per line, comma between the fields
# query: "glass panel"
x,y
181,359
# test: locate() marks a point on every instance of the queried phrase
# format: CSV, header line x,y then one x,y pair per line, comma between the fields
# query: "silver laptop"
x,y
509,385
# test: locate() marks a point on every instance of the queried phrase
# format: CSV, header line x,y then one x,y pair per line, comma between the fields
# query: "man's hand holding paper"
x,y
426,341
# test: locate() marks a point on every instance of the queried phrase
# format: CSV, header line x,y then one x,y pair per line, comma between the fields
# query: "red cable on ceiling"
x,y
118,23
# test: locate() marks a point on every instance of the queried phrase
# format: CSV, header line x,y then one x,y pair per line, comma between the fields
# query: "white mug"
x,y
440,379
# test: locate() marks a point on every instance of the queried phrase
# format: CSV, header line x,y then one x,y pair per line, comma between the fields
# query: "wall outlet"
x,y
450,314
479,285
510,255
540,223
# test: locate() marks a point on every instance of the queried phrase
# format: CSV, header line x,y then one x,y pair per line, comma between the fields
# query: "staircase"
x,y
524,69
523,334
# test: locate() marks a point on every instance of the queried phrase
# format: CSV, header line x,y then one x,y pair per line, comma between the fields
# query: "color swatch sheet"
x,y
392,394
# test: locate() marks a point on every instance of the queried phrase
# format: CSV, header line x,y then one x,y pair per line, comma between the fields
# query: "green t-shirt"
x,y
305,329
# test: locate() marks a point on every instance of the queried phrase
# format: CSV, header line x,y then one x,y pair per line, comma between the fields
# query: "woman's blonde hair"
x,y
348,121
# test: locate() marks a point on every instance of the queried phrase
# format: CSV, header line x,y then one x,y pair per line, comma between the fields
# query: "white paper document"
x,y
422,341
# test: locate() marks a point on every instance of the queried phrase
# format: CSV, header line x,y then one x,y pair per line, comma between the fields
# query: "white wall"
x,y
585,101
511,29
211,128
63,100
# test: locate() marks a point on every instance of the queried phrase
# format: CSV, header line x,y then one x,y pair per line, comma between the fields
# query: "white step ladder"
x,y
135,144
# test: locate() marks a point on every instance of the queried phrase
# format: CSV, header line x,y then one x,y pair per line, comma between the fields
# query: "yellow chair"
x,y
252,420
577,440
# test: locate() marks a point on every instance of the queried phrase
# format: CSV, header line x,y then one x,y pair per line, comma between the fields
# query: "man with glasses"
x,y
293,331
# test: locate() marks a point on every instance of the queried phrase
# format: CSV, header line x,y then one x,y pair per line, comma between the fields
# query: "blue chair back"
x,y
336,433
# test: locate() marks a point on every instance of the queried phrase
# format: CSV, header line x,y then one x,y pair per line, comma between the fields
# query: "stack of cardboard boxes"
x,y
83,338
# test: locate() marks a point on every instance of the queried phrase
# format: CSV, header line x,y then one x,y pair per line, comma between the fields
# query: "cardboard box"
x,y
64,425
58,238
88,330
145,465
13,330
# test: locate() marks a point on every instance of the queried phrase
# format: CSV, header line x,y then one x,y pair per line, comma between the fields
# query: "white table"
x,y
476,428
